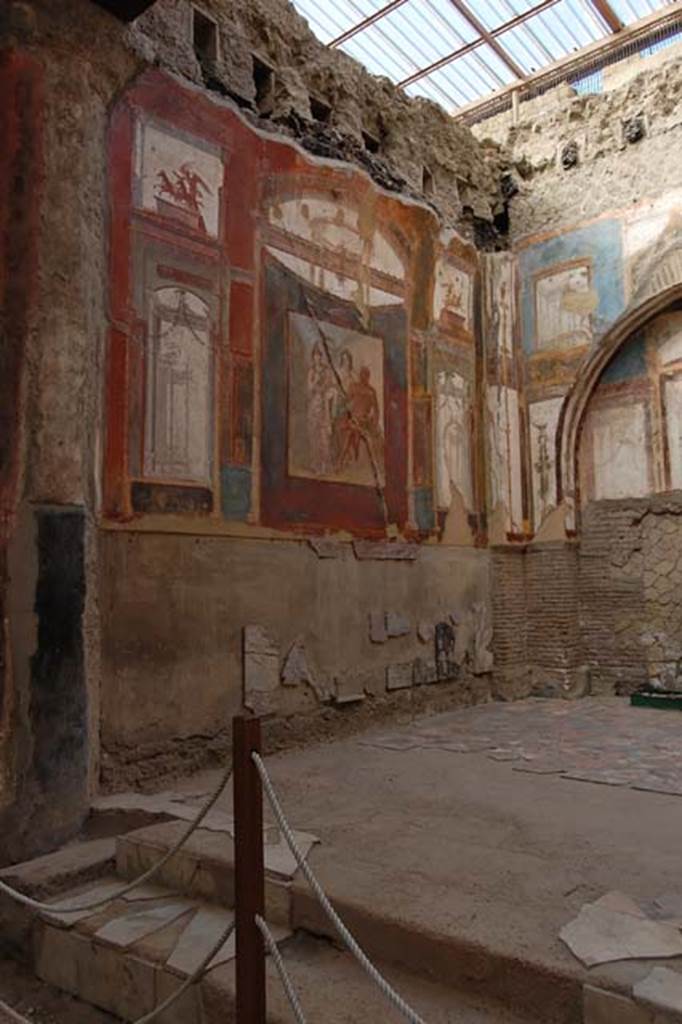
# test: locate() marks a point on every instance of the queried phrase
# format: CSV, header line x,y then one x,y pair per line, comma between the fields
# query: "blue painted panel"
x,y
602,244
423,508
235,487
628,362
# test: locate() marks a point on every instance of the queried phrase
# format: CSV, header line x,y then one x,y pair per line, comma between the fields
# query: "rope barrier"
x,y
188,982
393,997
27,901
287,983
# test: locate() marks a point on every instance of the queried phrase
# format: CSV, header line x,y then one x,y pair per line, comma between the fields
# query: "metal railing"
x,y
250,769
253,936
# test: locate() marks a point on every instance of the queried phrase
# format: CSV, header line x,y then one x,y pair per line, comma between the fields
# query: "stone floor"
x,y
459,845
602,741
490,827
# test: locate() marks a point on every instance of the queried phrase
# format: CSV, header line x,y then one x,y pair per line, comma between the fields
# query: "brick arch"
x,y
660,286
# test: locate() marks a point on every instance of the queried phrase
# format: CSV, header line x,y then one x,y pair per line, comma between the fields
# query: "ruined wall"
x,y
575,157
198,314
595,238
282,333
329,102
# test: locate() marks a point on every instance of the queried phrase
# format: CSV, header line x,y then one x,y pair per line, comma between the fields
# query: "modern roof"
x,y
458,52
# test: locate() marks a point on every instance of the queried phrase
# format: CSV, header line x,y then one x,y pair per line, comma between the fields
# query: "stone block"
x,y
261,669
348,689
399,676
426,632
425,671
377,627
57,956
296,669
118,982
385,550
397,624
186,1009
661,991
603,1007
326,548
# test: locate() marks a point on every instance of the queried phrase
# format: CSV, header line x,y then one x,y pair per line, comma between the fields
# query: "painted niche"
x,y
631,442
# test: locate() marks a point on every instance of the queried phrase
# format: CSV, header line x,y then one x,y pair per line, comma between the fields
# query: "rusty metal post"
x,y
249,880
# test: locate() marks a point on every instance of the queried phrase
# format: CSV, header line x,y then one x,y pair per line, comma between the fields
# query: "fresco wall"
x,y
572,287
291,393
597,478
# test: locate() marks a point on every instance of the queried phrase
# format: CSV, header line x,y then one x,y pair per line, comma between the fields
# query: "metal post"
x,y
249,881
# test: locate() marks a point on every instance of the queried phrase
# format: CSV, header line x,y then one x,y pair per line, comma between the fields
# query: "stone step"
x,y
45,877
105,960
204,869
642,993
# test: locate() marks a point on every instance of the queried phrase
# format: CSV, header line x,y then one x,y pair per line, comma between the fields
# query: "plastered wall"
x,y
239,463
289,430
596,344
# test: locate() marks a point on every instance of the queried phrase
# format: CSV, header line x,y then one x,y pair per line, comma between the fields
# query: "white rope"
x,y
194,977
378,978
287,983
20,897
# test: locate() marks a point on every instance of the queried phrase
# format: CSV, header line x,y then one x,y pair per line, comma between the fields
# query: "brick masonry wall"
x,y
509,610
603,614
612,596
553,634
537,643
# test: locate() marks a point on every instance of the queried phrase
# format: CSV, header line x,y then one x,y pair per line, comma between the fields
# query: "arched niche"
x,y
659,292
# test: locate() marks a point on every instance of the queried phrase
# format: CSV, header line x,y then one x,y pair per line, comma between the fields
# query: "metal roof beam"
x,y
488,37
468,47
604,8
669,17
366,22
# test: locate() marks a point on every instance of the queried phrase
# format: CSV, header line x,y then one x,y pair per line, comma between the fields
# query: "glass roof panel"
x,y
632,10
405,42
330,20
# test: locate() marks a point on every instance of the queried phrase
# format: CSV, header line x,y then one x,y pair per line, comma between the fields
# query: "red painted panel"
x,y
241,317
257,172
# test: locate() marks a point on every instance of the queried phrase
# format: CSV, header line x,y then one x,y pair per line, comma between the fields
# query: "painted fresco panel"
x,y
620,456
673,422
336,403
453,297
331,484
643,227
500,304
564,302
665,336
544,420
179,402
504,445
598,245
338,228
453,439
351,289
177,178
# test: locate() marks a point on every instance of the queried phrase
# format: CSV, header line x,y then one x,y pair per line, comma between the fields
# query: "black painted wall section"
x,y
52,788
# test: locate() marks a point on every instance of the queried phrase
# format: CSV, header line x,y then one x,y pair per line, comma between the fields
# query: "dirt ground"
x,y
41,1003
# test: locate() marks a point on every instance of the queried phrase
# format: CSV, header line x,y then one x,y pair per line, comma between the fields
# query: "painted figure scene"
x,y
336,403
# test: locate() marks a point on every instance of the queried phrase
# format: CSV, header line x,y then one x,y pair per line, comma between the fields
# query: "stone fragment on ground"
x,y
615,928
